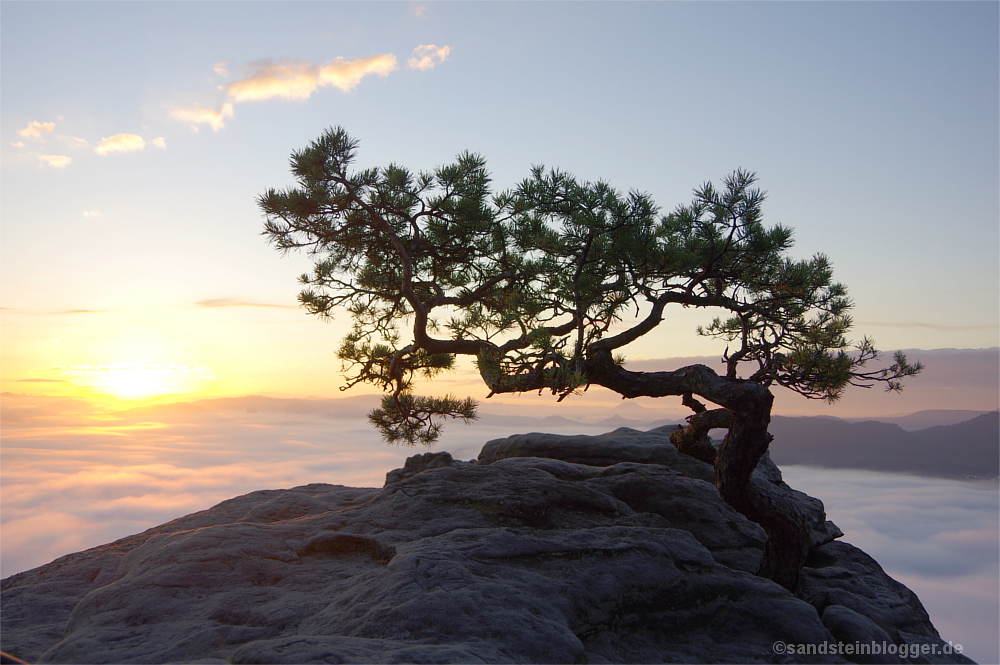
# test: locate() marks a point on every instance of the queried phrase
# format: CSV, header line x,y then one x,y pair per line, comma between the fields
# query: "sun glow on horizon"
x,y
136,382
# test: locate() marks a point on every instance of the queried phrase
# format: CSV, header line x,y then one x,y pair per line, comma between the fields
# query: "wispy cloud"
x,y
114,368
74,141
36,129
297,80
39,130
229,302
289,80
160,142
55,313
419,9
91,213
346,75
197,114
120,143
931,326
294,80
42,381
426,56
56,161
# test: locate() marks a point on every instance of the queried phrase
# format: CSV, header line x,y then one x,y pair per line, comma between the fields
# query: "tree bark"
x,y
693,440
749,407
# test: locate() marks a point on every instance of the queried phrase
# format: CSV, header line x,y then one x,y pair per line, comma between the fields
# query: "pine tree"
x,y
532,281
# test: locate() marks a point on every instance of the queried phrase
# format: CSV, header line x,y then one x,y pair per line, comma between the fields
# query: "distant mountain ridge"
x,y
969,449
926,418
939,442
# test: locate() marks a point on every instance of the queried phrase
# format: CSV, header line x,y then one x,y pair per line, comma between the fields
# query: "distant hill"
x,y
527,423
953,449
927,418
963,450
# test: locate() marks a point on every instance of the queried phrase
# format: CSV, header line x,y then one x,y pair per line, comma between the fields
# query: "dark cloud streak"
x,y
229,302
930,326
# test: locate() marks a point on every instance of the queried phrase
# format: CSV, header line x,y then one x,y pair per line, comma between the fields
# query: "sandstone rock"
x,y
37,603
767,479
523,559
418,463
653,447
622,445
849,627
503,563
840,574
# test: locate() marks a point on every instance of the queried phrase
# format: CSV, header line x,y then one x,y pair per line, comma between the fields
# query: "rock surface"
x,y
548,549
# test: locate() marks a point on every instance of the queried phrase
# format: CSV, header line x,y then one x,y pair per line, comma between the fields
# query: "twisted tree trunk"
x,y
693,440
787,533
748,406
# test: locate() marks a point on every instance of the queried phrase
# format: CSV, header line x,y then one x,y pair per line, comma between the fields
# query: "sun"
x,y
136,382
133,382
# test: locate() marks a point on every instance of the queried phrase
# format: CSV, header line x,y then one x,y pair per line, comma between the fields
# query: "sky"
x,y
137,136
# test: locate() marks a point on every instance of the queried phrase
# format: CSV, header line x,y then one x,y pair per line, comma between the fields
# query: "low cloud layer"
x,y
75,477
939,537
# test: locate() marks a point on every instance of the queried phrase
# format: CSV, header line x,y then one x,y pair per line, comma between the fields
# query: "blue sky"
x,y
873,126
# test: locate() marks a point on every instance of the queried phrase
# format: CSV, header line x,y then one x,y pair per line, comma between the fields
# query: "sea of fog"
x,y
939,537
73,478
